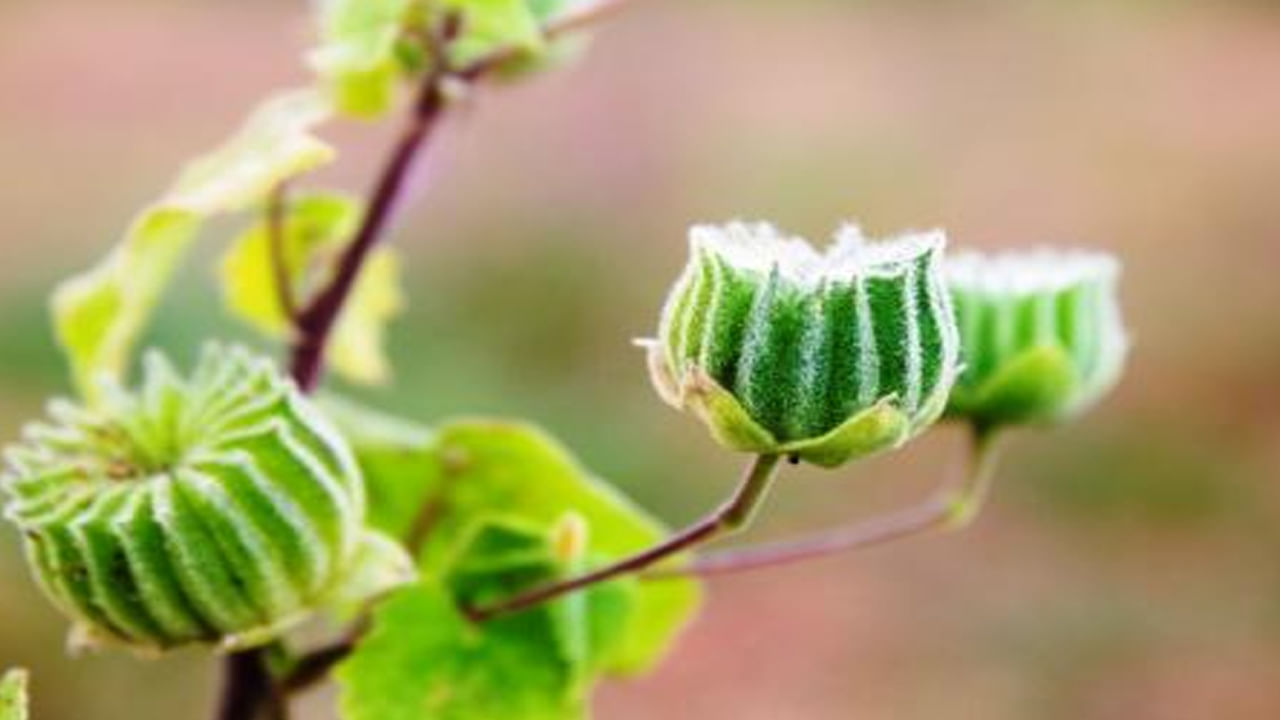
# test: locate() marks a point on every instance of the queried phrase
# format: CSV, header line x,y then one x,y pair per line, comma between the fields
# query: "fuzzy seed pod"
x,y
1041,335
825,357
218,508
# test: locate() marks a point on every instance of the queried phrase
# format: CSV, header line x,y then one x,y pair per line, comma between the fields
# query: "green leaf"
x,y
505,555
489,467
494,546
488,25
1029,386
568,638
473,475
398,458
314,230
99,314
356,57
356,348
422,659
13,695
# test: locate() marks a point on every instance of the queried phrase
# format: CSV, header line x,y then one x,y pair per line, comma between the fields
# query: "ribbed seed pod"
x,y
1041,334
214,509
826,357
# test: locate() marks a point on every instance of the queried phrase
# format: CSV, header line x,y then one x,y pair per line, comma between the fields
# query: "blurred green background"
x,y
1127,567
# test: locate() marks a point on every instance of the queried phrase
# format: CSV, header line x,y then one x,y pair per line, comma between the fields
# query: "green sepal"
x,y
379,565
1041,334
880,427
729,422
1032,387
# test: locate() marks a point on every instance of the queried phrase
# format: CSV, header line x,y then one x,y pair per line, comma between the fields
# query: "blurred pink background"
x,y
1127,566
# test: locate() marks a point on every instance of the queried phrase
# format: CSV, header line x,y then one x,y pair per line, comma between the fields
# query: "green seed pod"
x,y
825,357
1041,335
215,509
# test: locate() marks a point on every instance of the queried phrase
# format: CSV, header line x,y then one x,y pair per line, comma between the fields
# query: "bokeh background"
x,y
1129,564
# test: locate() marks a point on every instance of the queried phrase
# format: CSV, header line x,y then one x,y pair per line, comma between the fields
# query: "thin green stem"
x,y
733,515
953,506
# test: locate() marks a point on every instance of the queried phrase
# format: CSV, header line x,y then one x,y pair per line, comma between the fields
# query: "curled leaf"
x,y
99,314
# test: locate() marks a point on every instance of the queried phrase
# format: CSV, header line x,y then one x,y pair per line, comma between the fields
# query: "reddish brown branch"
x,y
250,690
316,320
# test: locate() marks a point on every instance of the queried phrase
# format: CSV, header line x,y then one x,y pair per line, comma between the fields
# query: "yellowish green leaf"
x,y
515,469
357,346
314,230
13,695
491,24
99,313
356,58
274,145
